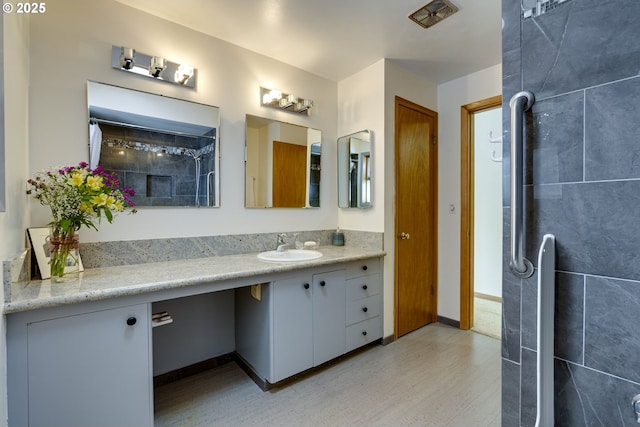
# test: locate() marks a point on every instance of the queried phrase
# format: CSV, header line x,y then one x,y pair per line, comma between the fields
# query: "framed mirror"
x,y
355,170
282,164
166,149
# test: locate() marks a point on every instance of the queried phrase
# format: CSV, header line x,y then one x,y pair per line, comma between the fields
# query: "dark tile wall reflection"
x,y
159,179
314,181
582,179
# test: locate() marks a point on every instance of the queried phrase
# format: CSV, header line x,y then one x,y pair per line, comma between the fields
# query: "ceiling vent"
x,y
432,13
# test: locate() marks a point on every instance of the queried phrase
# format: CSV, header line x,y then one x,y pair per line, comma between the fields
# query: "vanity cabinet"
x,y
292,329
364,303
90,363
298,323
310,317
328,316
82,369
308,322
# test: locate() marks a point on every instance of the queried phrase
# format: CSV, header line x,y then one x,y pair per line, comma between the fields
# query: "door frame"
x,y
434,175
466,204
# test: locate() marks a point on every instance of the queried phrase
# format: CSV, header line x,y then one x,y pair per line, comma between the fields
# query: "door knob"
x,y
403,236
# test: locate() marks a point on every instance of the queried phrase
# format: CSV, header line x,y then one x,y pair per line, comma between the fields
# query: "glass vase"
x,y
65,259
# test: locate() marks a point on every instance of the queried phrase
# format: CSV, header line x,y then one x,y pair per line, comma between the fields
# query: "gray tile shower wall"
x,y
580,44
582,178
612,150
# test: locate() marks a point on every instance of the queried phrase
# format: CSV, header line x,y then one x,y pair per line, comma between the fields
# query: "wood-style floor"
x,y
436,376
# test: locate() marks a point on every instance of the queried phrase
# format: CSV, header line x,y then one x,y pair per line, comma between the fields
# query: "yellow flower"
x,y
100,199
111,202
76,179
119,206
86,207
94,182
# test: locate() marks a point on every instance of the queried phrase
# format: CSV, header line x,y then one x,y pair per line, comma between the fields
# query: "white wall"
x,y
361,106
487,211
13,222
451,96
64,57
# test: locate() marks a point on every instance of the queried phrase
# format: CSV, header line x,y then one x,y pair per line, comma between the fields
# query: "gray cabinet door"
x,y
329,314
292,327
91,370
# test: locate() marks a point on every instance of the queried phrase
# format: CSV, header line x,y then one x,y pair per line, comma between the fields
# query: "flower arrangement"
x,y
77,196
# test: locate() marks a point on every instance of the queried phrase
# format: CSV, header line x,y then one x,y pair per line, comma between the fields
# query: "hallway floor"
x,y
487,317
437,376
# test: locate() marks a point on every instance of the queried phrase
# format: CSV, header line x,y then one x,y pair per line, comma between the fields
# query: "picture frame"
x,y
39,240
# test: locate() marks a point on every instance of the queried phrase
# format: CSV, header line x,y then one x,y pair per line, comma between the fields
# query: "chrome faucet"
x,y
282,243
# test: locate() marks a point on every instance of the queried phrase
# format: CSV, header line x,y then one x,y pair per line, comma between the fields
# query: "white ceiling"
x,y
337,38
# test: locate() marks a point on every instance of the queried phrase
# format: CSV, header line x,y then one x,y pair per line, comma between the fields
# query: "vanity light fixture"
x,y
303,106
288,101
270,96
156,67
126,58
283,101
184,73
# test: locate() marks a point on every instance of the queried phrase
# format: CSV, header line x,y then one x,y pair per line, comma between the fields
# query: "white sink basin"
x,y
290,255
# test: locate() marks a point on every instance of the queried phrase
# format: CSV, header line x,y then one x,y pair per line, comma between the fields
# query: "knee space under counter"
x,y
202,328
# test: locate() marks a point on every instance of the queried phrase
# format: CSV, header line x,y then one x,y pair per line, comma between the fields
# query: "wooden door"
x,y
416,216
289,175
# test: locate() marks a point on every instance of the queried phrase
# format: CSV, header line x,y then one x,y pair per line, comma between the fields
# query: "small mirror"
x,y
354,170
166,149
282,164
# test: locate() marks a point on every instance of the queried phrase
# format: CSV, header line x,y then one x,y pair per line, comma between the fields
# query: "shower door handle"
x,y
520,103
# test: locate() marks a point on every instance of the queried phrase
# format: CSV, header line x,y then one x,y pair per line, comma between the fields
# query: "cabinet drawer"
x,y
363,309
362,267
363,333
363,287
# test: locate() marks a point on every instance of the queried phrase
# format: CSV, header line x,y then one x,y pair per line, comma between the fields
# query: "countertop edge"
x,y
174,277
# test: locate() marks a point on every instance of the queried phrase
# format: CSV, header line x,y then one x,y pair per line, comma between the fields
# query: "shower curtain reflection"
x,y
95,143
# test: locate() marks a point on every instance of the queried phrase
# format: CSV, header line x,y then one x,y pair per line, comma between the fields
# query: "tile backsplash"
x,y
107,254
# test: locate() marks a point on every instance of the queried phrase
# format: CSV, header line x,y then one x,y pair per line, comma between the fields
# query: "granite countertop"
x,y
112,282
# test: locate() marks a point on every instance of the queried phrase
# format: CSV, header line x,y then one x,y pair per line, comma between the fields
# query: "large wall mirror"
x,y
354,170
282,164
166,149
